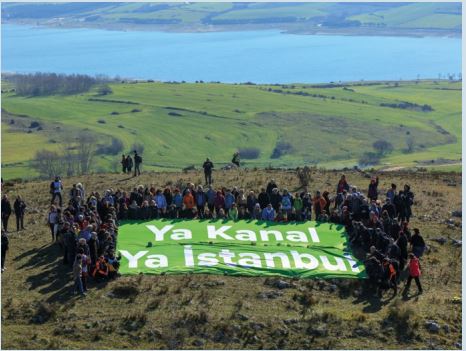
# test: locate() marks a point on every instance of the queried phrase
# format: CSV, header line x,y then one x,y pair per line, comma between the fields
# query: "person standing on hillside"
x,y
342,185
418,244
6,211
391,193
5,244
77,275
56,188
208,166
137,163
20,209
372,191
235,159
414,273
52,220
123,164
129,164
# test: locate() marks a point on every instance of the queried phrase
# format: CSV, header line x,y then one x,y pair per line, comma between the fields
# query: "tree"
x,y
369,159
48,163
85,150
104,90
382,147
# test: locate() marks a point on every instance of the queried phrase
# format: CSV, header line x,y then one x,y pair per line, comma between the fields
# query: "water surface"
x,y
257,56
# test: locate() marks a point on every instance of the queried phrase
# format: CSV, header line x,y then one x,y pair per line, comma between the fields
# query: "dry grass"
x,y
198,311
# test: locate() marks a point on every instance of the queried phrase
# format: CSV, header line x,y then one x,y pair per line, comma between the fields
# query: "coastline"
x,y
285,29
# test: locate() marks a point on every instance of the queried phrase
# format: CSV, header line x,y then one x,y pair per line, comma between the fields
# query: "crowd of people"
x,y
87,227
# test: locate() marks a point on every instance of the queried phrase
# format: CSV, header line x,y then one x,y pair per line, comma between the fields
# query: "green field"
x,y
181,124
324,17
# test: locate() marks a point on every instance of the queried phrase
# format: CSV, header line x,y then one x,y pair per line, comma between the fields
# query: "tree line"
x,y
43,84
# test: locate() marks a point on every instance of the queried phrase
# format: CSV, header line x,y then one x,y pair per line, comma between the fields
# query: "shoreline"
x,y
285,29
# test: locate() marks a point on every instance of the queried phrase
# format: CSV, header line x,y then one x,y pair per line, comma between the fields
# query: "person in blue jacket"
x,y
268,213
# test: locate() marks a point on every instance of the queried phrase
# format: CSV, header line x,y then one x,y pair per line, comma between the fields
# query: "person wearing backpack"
x,y
137,163
56,187
414,273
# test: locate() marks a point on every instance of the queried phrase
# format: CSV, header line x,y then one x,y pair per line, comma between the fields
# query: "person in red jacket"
x,y
414,273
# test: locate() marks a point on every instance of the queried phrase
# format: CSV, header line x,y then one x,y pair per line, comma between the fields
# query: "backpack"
x,y
138,159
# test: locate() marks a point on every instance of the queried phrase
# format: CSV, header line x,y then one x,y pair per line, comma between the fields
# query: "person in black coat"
x,y
20,209
5,244
272,185
275,199
263,199
6,212
402,243
208,166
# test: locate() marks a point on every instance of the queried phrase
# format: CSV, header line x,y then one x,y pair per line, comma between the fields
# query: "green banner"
x,y
249,248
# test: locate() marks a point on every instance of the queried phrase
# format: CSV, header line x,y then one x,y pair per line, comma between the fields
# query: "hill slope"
x,y
346,18
205,312
288,125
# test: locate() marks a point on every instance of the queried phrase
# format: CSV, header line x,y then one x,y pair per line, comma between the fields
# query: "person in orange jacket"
x,y
319,204
414,273
188,200
100,269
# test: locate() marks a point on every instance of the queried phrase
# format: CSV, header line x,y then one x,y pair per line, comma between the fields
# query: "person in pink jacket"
x,y
414,273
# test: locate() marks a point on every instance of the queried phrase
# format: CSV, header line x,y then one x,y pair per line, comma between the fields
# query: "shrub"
x,y
382,147
134,110
34,124
114,113
369,159
282,148
114,148
125,291
101,121
176,114
249,153
104,90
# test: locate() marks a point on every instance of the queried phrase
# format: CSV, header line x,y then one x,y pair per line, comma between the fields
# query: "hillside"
x,y
221,312
179,124
341,18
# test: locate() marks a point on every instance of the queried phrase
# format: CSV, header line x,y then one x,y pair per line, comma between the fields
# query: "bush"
x,y
34,124
176,114
382,147
135,110
104,90
369,159
282,148
249,153
114,148
125,291
102,121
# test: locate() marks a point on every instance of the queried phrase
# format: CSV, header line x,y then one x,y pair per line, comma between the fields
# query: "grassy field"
x,y
221,312
180,124
436,15
382,18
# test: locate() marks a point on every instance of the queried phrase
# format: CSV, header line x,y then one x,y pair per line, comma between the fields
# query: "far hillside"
x,y
386,125
376,18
